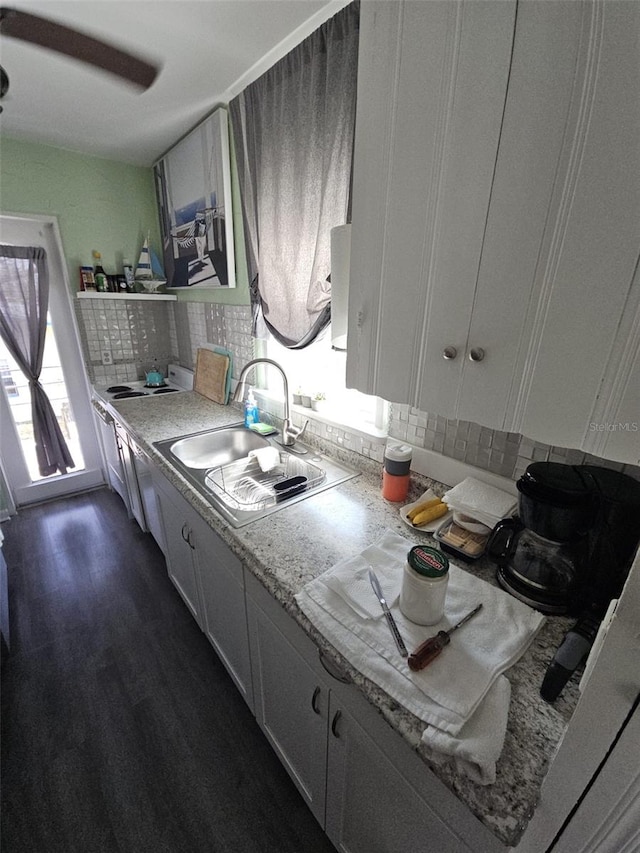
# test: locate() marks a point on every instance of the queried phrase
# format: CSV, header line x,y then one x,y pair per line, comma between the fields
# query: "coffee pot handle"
x,y
502,539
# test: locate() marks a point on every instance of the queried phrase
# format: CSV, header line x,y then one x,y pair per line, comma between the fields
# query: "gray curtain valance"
x,y
293,131
24,302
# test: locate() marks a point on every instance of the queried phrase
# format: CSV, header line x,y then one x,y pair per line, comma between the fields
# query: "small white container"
x,y
424,585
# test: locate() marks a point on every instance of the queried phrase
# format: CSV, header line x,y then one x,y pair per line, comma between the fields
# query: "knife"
x,y
375,583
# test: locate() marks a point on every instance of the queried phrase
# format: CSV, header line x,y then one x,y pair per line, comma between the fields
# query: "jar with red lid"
x,y
424,585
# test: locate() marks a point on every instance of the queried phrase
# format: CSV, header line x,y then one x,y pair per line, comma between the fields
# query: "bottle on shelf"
x,y
99,274
87,281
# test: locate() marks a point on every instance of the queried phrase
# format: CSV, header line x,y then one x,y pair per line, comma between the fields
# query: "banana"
x,y
430,514
421,507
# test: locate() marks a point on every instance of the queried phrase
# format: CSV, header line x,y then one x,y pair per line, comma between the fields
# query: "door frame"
x,y
21,489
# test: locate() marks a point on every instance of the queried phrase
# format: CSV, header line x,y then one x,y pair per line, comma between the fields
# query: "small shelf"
x,y
158,297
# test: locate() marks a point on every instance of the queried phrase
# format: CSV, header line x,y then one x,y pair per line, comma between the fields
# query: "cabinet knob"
x,y
476,354
187,536
314,701
449,353
334,723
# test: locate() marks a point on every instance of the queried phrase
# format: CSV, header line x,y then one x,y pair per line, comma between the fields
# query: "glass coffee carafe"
x,y
536,570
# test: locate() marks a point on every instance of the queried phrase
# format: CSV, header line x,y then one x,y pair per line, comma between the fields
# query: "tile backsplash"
x,y
504,453
193,324
131,333
134,333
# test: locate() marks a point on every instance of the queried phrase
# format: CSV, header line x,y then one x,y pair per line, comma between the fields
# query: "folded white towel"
x,y
477,748
350,577
461,695
485,503
266,457
449,690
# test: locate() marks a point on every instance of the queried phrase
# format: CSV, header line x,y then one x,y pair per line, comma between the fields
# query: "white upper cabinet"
x,y
582,365
496,207
432,80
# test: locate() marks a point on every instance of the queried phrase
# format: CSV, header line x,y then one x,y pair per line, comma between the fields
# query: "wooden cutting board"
x,y
211,375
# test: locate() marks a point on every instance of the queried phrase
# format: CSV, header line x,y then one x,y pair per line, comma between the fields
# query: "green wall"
x,y
100,204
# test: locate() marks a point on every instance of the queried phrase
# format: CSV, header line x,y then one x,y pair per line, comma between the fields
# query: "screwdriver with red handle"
x,y
431,648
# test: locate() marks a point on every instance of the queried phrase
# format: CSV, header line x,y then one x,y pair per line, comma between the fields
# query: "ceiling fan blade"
x,y
78,45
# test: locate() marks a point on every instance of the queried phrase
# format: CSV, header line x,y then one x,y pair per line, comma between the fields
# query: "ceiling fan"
x,y
74,43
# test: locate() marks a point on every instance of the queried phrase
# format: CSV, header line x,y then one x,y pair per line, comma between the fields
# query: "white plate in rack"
x,y
430,526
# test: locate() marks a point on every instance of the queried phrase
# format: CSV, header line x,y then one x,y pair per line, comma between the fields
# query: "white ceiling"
x,y
209,51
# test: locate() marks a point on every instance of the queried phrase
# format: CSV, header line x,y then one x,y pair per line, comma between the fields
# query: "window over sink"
x,y
318,369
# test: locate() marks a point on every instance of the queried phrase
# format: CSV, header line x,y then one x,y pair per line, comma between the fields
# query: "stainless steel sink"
x,y
216,463
218,447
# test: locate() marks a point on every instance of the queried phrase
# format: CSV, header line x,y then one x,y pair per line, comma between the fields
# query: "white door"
x,y
601,725
607,819
63,377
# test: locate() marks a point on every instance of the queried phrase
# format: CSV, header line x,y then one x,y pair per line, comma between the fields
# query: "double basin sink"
x,y
221,466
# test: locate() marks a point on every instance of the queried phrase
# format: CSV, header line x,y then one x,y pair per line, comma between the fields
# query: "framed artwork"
x,y
193,186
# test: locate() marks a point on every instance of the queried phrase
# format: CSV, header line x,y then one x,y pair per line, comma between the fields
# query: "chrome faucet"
x,y
289,432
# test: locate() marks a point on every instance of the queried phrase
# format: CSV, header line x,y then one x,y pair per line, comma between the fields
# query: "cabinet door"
x,y
291,700
180,544
432,82
224,614
130,478
537,127
143,468
383,798
584,343
112,457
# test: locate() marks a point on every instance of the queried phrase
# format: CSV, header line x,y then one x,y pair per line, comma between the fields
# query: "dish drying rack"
x,y
243,485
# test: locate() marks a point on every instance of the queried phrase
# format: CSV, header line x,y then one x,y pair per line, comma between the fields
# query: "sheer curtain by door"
x,y
293,130
24,301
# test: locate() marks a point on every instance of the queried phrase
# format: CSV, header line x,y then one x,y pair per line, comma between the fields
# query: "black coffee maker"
x,y
570,547
569,551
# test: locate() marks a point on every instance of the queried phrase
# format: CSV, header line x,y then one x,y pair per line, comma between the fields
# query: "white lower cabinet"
x,y
366,787
210,579
362,781
115,472
291,696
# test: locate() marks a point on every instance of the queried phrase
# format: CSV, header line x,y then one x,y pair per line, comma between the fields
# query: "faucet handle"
x,y
289,436
296,432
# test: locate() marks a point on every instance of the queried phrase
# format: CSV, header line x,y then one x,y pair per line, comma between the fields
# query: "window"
x,y
320,369
7,379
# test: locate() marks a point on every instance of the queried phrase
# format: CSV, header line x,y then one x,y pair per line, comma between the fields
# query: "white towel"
x,y
350,577
266,457
476,750
480,501
481,650
461,694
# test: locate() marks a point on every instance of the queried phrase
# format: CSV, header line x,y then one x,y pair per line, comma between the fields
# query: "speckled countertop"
x,y
289,548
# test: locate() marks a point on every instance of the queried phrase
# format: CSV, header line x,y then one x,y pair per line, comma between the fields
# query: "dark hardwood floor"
x,y
121,730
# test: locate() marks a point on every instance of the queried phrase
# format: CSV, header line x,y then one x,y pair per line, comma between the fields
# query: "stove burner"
x,y
163,390
118,389
159,385
125,395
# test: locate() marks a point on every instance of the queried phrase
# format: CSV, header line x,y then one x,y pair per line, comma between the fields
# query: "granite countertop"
x,y
288,549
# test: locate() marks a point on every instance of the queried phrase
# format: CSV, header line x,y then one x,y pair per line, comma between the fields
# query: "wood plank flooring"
x,y
121,730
